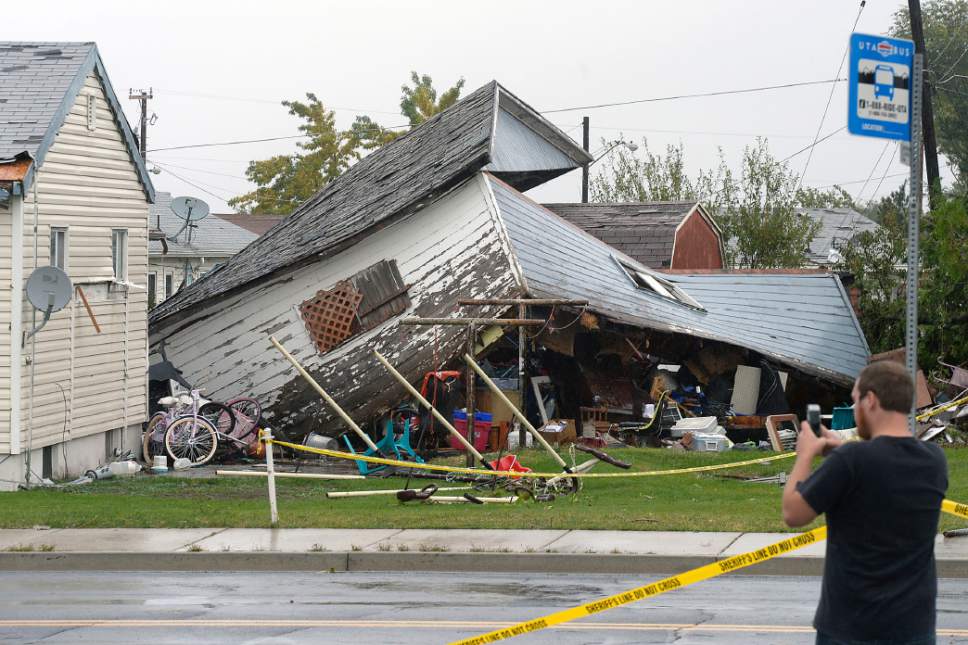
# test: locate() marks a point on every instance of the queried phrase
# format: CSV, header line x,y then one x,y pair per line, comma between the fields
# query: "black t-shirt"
x,y
882,499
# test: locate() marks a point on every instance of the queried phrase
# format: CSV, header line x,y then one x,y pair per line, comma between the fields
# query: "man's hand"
x,y
810,445
832,440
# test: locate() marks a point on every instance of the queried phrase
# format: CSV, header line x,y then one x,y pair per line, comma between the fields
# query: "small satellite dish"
x,y
49,289
190,209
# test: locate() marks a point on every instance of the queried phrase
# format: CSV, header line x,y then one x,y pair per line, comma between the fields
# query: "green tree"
x,y
283,182
420,102
757,209
946,44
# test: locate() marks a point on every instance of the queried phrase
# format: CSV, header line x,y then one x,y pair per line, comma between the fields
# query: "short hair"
x,y
892,384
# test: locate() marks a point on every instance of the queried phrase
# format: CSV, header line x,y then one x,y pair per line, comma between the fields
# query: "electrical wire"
x,y
244,99
748,90
876,163
812,146
884,176
830,97
375,128
201,170
190,183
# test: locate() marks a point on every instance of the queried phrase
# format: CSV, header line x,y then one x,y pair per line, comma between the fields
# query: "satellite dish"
x,y
49,289
190,209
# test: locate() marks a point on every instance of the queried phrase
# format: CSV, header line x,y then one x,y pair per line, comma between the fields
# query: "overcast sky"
x,y
220,68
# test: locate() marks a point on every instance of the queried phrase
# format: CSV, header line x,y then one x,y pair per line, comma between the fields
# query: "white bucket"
x,y
159,464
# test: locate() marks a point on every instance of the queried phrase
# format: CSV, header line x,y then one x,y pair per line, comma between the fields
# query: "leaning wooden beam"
x,y
517,413
583,467
537,302
427,404
326,397
512,322
367,493
258,473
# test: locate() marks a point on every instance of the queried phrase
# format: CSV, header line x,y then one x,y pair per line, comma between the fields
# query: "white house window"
x,y
169,284
91,112
58,247
152,289
648,281
119,254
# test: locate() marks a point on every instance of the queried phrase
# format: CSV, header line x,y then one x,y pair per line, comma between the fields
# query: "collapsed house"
x,y
439,215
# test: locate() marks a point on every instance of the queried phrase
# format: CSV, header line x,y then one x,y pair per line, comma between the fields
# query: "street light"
x,y
584,175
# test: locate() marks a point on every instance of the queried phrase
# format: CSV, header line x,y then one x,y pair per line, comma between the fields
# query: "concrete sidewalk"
x,y
576,551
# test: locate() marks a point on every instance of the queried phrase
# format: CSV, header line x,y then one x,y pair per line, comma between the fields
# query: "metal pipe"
x,y
326,397
508,322
367,493
427,404
256,473
523,419
463,500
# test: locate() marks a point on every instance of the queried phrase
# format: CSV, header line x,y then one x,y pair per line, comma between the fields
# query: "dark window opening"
x,y
355,305
152,286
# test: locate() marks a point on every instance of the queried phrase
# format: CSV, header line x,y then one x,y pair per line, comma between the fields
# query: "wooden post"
x,y
326,397
522,377
471,336
271,477
523,419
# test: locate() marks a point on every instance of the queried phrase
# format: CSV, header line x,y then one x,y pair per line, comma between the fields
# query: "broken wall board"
x,y
449,250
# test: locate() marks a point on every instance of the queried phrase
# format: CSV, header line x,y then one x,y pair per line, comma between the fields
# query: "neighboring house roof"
x,y
39,82
258,224
645,231
837,225
212,237
804,320
395,180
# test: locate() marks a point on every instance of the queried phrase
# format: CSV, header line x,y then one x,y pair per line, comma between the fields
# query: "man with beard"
x,y
882,498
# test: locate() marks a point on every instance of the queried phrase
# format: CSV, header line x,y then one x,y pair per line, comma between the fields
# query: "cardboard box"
x,y
559,432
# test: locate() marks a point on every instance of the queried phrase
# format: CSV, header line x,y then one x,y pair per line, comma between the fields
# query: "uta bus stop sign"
x,y
880,76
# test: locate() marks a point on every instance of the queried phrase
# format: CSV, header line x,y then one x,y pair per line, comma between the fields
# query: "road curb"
x,y
349,561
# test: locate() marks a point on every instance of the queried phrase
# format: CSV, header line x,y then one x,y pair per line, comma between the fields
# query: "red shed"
x,y
660,235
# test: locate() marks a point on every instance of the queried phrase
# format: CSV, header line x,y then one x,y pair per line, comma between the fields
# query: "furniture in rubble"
x,y
391,446
782,430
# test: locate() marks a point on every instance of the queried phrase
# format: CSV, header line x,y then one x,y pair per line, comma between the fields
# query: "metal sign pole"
x,y
914,216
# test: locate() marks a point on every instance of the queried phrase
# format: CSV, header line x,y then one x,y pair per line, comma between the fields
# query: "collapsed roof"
x,y
804,320
488,128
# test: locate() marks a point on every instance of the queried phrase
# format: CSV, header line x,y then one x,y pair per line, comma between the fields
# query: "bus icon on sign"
x,y
884,82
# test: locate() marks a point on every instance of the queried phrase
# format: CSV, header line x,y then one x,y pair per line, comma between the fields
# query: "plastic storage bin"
x,y
482,429
843,418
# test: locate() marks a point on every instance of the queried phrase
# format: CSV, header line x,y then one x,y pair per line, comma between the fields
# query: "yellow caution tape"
x,y
675,582
654,589
337,454
940,409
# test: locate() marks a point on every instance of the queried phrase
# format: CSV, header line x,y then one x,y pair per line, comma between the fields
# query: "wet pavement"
x,y
409,607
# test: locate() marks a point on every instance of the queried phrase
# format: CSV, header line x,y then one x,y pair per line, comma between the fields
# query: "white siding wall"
x,y
175,267
87,383
5,287
451,249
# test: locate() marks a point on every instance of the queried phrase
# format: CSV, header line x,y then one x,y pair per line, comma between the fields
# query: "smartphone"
x,y
813,418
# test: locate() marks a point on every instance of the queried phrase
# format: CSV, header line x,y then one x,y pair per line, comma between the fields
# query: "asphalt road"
x,y
283,608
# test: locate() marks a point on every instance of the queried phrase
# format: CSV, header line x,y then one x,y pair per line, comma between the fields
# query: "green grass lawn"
x,y
693,502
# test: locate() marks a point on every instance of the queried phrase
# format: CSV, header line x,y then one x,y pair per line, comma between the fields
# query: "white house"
x,y
74,193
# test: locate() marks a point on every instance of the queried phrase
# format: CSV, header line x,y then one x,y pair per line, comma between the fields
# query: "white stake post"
x,y
271,477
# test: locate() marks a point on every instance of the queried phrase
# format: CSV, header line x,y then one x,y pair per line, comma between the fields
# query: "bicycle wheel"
x,y
247,413
152,445
220,416
192,438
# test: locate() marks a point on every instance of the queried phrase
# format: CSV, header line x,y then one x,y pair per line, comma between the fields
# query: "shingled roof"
x,y
399,178
212,237
39,82
837,226
644,231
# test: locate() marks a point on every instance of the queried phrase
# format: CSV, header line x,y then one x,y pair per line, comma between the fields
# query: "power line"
x,y
193,184
699,95
811,147
830,97
294,136
894,154
702,132
247,99
201,170
881,156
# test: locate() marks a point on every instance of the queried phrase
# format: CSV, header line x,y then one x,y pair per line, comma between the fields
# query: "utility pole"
x,y
927,110
142,97
584,169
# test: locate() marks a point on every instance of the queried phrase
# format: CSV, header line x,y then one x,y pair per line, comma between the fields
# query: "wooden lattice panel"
x,y
329,315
